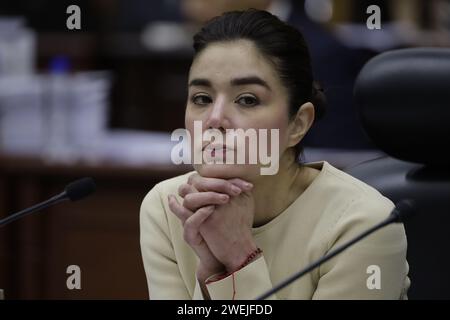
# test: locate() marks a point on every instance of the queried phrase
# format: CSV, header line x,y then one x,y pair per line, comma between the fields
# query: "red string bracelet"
x,y
250,257
218,277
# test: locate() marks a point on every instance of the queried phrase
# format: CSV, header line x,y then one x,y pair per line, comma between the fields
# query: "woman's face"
x,y
232,86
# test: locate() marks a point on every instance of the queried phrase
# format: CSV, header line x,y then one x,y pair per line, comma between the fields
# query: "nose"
x,y
218,116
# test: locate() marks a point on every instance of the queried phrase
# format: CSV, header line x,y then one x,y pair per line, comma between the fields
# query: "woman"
x,y
226,231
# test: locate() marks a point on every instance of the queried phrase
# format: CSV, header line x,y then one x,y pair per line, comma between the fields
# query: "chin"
x,y
227,171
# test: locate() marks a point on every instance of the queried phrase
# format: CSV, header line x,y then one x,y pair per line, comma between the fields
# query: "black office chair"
x,y
403,99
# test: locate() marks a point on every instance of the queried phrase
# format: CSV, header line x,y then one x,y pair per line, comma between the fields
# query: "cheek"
x,y
188,121
270,120
275,120
282,124
189,118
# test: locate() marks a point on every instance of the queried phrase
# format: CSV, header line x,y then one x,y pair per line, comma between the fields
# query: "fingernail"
x,y
224,198
235,190
248,185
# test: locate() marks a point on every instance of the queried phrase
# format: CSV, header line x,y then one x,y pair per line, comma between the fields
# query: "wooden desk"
x,y
99,234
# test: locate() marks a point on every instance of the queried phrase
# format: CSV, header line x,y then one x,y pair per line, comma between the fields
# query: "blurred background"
x,y
102,101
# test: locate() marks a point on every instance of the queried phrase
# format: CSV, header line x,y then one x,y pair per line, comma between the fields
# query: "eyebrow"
x,y
249,80
202,82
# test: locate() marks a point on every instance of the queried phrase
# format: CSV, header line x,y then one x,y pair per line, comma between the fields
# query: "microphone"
x,y
74,191
402,211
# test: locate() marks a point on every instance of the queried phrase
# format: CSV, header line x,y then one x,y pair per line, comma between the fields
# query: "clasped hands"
x,y
217,217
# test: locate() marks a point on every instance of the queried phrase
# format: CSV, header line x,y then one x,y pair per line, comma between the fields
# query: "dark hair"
x,y
283,44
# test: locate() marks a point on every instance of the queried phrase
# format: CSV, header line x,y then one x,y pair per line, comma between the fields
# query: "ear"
x,y
299,126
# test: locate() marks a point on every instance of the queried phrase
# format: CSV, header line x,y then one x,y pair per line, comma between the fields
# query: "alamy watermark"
x,y
234,146
74,279
74,20
374,280
373,22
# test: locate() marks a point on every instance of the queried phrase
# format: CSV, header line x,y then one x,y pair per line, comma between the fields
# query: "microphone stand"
x,y
54,200
399,213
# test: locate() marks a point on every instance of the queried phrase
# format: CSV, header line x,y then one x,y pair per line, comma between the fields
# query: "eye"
x,y
247,100
201,99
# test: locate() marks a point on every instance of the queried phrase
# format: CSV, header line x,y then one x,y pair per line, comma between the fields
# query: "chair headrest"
x,y
403,99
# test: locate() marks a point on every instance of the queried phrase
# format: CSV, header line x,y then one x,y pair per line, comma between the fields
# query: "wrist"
x,y
243,257
204,272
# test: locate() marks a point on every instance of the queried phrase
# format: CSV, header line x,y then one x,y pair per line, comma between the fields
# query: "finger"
x,y
185,189
242,184
214,184
194,201
179,210
192,225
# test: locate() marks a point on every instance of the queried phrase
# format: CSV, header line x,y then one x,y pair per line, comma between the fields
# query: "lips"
x,y
212,146
217,150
